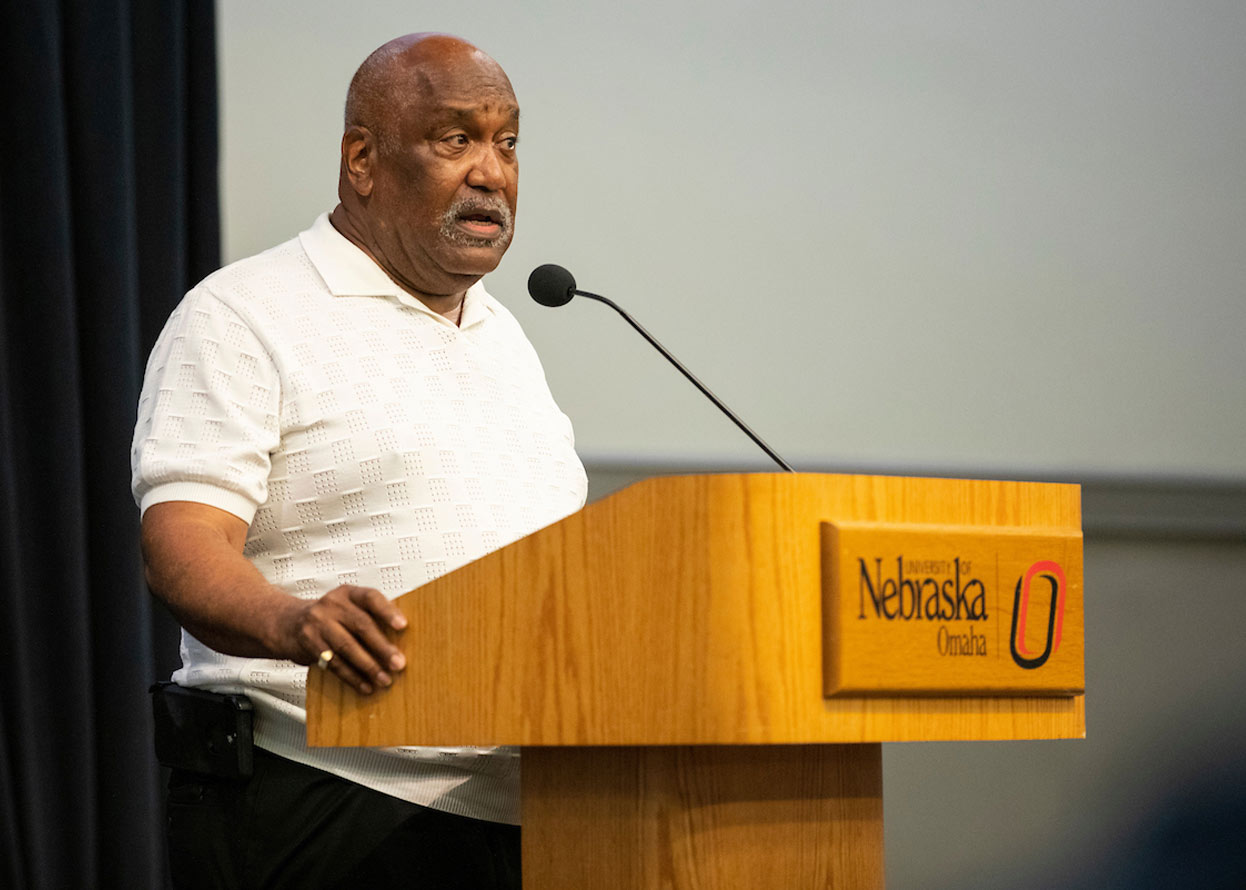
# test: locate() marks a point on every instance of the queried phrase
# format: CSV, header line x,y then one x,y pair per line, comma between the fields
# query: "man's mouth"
x,y
477,223
481,222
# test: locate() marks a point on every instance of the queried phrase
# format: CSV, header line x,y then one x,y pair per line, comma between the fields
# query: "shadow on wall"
x,y
1194,836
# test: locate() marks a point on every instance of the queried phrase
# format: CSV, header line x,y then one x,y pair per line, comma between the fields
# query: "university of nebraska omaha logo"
x,y
1050,572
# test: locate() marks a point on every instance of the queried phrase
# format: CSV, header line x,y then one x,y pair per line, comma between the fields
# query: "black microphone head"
x,y
551,285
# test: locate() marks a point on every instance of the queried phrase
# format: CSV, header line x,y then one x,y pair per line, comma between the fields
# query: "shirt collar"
x,y
349,272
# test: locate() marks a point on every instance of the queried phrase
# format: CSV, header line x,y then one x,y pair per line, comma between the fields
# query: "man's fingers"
x,y
349,621
349,653
377,610
373,639
372,600
339,664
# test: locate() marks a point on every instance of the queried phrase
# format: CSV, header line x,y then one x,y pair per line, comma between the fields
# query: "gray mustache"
x,y
477,205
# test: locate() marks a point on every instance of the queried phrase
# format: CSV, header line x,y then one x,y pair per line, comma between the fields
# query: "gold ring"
x,y
325,657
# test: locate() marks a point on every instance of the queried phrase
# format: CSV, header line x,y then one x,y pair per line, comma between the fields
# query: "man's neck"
x,y
450,306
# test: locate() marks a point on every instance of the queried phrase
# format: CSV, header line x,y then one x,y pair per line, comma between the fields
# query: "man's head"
x,y
429,176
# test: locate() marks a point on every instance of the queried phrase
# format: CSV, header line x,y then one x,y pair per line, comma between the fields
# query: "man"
x,y
330,424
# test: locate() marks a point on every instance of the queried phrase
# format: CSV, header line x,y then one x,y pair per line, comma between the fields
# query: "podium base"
x,y
705,817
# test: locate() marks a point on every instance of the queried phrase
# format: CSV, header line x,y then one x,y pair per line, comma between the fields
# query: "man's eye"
x,y
458,139
510,142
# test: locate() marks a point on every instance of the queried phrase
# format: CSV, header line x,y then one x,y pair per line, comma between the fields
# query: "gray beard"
x,y
455,235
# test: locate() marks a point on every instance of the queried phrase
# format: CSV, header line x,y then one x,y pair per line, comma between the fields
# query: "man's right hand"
x,y
194,563
348,622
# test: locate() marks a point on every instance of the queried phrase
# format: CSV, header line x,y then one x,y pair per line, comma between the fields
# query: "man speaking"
x,y
325,426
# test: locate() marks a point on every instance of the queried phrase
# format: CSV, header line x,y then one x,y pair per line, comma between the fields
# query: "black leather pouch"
x,y
203,732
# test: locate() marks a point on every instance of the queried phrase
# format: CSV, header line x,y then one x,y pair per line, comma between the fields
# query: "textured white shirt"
x,y
366,440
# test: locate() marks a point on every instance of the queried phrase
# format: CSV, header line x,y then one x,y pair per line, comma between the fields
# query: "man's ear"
x,y
359,150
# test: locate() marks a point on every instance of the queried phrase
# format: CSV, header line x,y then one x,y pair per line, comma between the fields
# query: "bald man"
x,y
323,427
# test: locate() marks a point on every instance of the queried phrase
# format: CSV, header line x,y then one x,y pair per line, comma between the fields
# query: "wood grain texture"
x,y
709,818
679,611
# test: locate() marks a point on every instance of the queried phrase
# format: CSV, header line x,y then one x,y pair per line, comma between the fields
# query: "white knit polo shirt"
x,y
366,440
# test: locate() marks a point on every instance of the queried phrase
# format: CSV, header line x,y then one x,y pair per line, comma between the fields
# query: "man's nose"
x,y
488,172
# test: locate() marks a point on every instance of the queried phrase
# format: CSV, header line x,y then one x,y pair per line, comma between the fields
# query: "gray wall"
x,y
990,237
985,239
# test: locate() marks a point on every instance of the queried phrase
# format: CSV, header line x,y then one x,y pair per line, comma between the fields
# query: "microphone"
x,y
552,285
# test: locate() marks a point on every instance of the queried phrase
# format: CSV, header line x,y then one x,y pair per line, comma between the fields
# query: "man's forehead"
x,y
463,94
484,106
468,85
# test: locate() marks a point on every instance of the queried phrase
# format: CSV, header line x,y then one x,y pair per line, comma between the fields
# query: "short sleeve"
x,y
209,413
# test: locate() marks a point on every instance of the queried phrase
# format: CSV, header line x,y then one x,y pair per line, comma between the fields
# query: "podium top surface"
x,y
682,610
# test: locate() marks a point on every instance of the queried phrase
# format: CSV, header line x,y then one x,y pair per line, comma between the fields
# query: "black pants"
x,y
292,826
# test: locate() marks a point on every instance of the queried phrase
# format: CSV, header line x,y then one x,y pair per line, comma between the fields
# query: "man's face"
x,y
443,200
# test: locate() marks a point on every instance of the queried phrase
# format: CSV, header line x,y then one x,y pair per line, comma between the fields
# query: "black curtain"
x,y
108,213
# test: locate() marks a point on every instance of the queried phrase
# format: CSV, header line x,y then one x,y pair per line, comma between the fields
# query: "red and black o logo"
x,y
1050,572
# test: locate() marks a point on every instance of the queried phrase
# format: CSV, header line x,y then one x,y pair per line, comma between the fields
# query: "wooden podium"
x,y
667,659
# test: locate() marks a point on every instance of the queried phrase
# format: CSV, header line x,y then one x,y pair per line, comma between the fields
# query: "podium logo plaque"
x,y
951,610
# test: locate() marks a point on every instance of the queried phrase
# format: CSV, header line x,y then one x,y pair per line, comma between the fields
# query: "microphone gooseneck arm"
x,y
692,377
